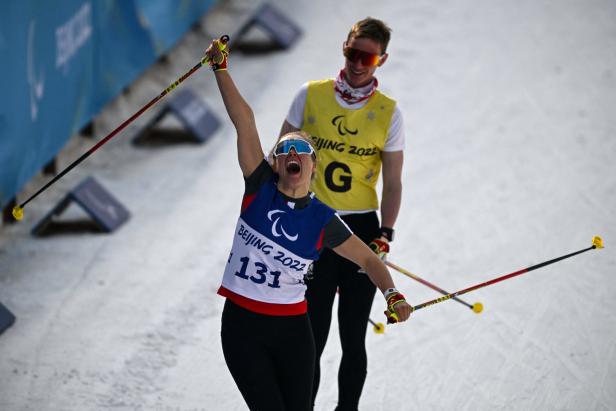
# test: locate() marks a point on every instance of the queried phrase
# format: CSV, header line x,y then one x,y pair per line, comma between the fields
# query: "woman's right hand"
x,y
217,52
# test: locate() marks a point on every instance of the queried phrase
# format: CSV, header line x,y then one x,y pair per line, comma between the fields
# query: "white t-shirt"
x,y
395,135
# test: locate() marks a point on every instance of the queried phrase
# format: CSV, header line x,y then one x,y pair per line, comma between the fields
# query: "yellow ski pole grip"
x,y
221,43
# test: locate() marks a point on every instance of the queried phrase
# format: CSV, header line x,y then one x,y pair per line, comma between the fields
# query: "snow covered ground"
x,y
510,110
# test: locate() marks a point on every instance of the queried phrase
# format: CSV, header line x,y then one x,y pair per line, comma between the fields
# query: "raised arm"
x,y
250,153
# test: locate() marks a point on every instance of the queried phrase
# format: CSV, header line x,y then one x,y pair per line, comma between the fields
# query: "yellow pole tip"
x,y
477,308
379,328
597,242
18,213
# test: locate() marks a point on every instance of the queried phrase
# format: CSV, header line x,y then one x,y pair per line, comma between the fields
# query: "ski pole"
x,y
477,307
596,243
18,212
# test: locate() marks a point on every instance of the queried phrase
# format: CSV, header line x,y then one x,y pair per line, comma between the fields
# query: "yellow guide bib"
x,y
349,145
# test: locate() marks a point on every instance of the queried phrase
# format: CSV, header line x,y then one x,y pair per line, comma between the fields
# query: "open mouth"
x,y
293,167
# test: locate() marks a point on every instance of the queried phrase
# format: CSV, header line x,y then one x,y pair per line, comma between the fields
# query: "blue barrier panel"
x,y
123,49
167,20
46,53
61,62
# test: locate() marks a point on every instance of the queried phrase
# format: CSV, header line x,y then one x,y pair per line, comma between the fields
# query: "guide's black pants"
x,y
270,358
356,293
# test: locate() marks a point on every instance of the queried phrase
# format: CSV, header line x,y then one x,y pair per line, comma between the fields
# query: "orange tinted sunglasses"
x,y
367,59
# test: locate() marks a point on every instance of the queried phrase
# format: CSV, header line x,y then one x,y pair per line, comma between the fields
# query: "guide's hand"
x,y
380,247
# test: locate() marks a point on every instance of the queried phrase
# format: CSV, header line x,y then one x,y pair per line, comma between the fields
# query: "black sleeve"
x,y
336,232
260,176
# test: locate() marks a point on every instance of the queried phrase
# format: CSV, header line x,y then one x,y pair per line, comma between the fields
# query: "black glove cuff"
x,y
388,233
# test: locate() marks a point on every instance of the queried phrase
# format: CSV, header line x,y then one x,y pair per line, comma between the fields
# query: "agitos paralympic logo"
x,y
276,225
340,123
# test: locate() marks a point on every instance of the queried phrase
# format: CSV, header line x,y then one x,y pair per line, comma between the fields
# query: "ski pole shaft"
x,y
18,210
596,243
477,307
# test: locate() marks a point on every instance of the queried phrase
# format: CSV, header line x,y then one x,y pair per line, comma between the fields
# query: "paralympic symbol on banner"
x,y
36,80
